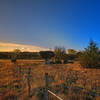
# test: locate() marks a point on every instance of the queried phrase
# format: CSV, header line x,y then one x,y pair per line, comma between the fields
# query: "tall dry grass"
x,y
69,81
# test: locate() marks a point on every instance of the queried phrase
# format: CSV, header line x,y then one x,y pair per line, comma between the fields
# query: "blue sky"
x,y
50,23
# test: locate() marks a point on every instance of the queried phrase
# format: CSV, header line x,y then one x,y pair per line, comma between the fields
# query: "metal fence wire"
x,y
24,83
49,95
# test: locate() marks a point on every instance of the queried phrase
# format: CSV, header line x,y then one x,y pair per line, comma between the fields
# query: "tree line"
x,y
57,56
89,57
20,55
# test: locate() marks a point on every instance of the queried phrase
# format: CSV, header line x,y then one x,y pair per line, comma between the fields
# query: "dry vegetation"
x,y
69,81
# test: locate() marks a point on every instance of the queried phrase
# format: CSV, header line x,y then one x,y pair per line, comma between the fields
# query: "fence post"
x,y
28,81
46,88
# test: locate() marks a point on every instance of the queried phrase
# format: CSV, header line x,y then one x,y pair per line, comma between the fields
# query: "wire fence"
x,y
49,95
28,83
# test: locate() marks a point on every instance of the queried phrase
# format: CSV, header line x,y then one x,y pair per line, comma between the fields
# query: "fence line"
x,y
15,83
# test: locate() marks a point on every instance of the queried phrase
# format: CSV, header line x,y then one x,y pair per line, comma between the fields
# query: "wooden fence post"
x,y
46,88
28,82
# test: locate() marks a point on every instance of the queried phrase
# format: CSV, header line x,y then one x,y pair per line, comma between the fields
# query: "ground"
x,y
66,80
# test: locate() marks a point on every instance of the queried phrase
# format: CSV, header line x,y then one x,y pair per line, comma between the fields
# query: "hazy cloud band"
x,y
5,46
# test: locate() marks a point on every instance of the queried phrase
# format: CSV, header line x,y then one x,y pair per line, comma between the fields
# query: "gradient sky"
x,y
50,23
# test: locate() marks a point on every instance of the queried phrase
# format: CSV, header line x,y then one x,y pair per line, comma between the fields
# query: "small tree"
x,y
90,57
60,54
47,55
71,51
13,60
15,55
72,54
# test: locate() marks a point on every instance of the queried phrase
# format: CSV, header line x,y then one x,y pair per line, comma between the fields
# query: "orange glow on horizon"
x,y
5,46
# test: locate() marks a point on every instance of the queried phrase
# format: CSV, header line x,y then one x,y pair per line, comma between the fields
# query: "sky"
x,y
49,23
5,47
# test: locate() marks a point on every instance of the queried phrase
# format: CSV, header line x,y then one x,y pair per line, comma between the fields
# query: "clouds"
x,y
5,46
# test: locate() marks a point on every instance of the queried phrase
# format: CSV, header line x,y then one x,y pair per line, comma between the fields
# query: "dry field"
x,y
69,81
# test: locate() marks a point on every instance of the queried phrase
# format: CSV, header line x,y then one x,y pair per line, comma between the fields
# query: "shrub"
x,y
13,60
71,51
47,55
15,55
60,55
71,57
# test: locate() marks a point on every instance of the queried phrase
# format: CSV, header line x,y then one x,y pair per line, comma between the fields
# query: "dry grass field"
x,y
69,81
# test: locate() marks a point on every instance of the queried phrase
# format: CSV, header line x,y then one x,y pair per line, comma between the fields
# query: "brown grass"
x,y
82,83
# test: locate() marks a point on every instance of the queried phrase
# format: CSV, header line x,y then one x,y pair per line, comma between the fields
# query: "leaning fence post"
x,y
46,88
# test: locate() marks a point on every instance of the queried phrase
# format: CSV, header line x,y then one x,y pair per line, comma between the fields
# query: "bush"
x,y
71,56
15,55
13,60
60,55
46,54
90,57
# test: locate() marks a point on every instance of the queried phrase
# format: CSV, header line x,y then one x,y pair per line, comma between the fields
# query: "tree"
x,y
15,55
17,51
60,54
47,55
71,51
90,57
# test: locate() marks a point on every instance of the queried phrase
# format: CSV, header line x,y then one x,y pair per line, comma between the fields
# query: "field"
x,y
68,81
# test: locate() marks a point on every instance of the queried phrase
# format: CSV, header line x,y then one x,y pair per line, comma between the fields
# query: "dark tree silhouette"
x,y
90,57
